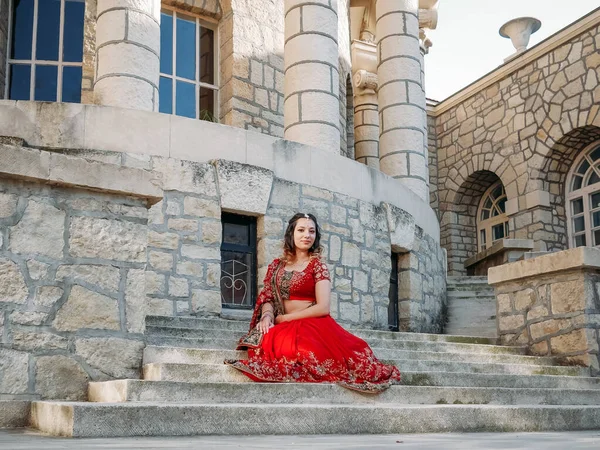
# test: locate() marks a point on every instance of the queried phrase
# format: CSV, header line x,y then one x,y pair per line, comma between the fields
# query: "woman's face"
x,y
305,234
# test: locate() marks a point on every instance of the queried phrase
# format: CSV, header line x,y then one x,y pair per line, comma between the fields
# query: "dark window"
x,y
238,261
393,296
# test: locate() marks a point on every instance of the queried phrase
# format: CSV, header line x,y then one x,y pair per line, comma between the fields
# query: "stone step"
x,y
160,419
471,295
219,372
466,279
182,355
489,331
209,342
324,393
157,325
14,413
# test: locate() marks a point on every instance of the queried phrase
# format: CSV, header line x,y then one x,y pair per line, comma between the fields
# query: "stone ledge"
x,y
63,170
500,246
14,413
577,258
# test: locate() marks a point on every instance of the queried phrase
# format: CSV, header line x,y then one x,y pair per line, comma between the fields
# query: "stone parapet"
x,y
501,252
551,305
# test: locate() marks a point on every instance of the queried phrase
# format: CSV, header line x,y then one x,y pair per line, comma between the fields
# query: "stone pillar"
x,y
366,119
402,114
311,113
127,46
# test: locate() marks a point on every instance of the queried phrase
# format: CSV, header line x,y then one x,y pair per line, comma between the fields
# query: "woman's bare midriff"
x,y
290,306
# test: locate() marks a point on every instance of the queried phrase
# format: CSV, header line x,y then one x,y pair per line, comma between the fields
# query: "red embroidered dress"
x,y
311,350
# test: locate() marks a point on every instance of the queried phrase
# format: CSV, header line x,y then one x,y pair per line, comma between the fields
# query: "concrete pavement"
x,y
30,440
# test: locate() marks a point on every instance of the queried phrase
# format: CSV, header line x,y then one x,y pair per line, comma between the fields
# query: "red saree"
x,y
311,350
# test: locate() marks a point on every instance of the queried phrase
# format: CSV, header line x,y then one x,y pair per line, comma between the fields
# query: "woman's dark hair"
x,y
289,249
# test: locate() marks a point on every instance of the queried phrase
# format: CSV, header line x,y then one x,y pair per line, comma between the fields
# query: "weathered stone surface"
x,y
8,204
116,240
244,188
34,341
135,298
199,207
103,276
206,302
87,309
567,296
186,176
12,284
163,240
401,226
37,270
118,358
524,299
178,287
543,329
160,261
511,322
14,371
350,255
40,231
503,301
178,224
60,377
335,248
200,252
212,232
159,307
213,275
190,268
575,341
349,311
28,318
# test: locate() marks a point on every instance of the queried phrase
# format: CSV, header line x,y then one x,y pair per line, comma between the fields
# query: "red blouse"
x,y
295,285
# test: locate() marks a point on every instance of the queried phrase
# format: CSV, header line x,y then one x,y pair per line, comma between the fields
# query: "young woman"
x,y
292,337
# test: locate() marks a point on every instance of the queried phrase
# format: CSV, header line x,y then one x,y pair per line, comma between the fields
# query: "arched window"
x,y
583,199
492,223
188,81
45,50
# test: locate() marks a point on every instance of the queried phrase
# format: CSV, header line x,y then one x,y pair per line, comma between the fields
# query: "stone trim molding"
x,y
90,127
556,40
500,246
577,258
58,169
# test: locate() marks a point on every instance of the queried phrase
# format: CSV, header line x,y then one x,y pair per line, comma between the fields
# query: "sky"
x,y
466,43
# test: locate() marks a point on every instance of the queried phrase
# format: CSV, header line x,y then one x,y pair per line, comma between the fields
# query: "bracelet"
x,y
266,314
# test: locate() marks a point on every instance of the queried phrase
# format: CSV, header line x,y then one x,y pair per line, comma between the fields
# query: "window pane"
x,y
234,233
577,206
502,205
497,192
71,84
578,224
207,56
583,167
595,200
236,278
580,240
73,31
48,26
488,203
506,230
497,232
165,95
596,219
45,83
166,43
577,181
185,99
596,237
595,155
20,82
485,214
482,241
22,29
593,179
207,105
186,47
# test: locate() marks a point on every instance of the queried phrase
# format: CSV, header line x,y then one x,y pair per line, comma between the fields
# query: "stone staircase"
x,y
450,384
471,307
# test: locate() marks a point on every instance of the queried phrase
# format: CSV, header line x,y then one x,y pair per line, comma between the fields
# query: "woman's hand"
x,y
265,324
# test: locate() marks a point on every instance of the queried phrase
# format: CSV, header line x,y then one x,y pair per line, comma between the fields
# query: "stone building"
x,y
151,153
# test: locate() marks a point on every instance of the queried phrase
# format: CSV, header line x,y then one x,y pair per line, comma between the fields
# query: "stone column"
x,y
311,114
127,46
402,114
366,119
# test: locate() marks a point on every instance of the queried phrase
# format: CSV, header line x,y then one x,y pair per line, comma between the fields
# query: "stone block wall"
x,y
71,289
553,310
3,44
525,129
432,161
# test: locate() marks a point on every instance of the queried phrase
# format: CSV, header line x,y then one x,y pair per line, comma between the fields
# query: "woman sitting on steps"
x,y
292,337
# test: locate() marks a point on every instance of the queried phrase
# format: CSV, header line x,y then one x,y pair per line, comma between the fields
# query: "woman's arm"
x,y
323,294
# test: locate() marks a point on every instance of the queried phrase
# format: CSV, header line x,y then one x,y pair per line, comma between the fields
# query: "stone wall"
x,y
551,305
525,129
71,289
432,160
4,4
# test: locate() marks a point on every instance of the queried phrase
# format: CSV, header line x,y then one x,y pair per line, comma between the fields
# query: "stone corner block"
x,y
243,188
401,226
